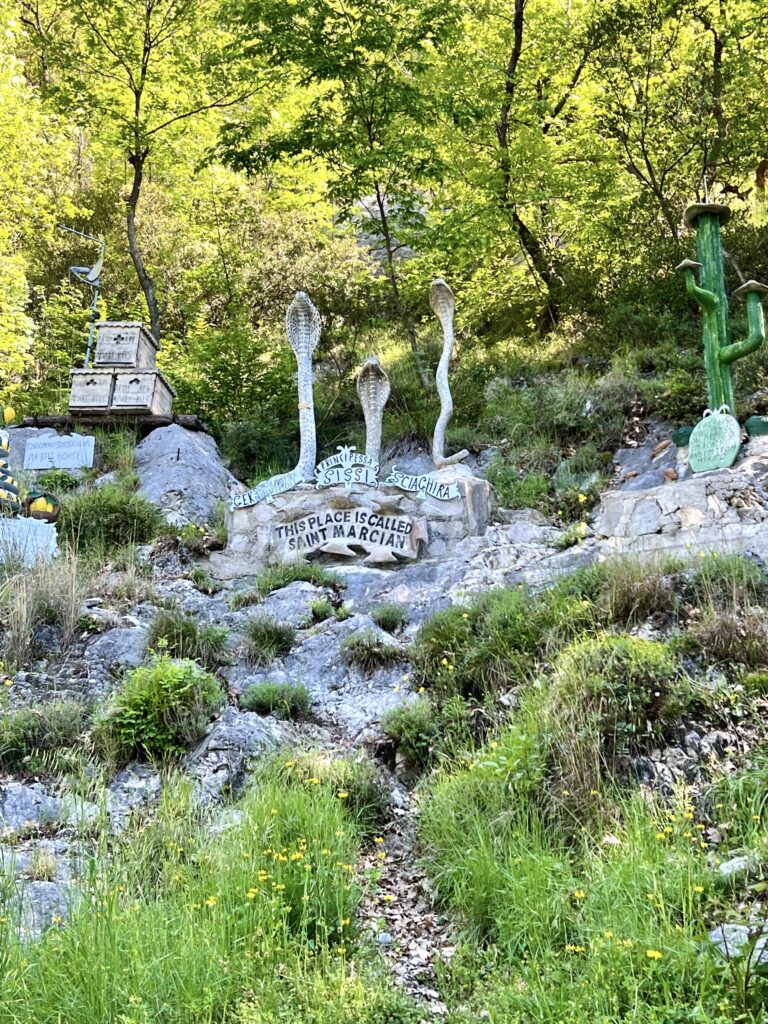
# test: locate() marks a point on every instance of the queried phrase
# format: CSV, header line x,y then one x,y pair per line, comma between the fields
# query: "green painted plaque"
x,y
714,443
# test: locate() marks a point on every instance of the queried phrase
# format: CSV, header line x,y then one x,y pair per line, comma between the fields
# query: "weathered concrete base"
x,y
725,511
258,535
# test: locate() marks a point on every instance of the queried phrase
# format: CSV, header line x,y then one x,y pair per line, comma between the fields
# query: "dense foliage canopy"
x,y
538,154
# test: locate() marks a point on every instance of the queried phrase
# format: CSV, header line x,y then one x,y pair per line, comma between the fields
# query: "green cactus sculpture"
x,y
709,293
715,442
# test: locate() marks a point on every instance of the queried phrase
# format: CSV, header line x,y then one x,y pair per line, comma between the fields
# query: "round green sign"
x,y
714,443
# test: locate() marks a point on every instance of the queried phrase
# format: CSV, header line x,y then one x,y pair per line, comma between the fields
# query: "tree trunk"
x,y
137,160
531,245
402,312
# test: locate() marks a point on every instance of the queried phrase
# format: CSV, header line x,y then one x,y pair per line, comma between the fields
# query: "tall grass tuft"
x,y
47,595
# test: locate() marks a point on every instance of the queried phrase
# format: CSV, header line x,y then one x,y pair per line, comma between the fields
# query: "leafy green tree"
x,y
142,70
366,113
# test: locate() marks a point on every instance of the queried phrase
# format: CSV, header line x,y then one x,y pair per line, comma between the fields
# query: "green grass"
x,y
187,926
264,639
606,925
203,582
104,519
277,577
29,732
175,633
284,700
369,651
392,618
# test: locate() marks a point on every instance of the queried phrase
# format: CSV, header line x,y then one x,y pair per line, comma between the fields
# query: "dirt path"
x,y
399,911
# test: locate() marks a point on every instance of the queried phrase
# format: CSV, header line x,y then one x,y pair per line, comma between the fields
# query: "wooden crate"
x,y
142,391
125,343
91,390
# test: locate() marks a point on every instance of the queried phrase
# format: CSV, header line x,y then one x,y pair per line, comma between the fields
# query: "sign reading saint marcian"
x,y
424,486
348,467
345,532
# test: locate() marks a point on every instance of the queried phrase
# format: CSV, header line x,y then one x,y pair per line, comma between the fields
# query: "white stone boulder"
x,y
181,472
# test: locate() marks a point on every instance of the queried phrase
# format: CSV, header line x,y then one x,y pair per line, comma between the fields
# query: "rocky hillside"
x,y
514,782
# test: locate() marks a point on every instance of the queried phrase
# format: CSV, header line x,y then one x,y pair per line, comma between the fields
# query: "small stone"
x,y
384,939
735,867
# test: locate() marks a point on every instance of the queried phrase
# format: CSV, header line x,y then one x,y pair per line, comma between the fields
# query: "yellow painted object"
x,y
9,415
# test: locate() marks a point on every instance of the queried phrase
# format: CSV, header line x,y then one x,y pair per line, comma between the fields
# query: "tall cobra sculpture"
x,y
373,389
443,305
302,325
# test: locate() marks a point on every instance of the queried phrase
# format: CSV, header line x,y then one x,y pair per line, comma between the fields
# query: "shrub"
x,y
283,700
25,733
370,651
390,617
265,639
159,711
183,637
102,519
732,636
58,481
604,693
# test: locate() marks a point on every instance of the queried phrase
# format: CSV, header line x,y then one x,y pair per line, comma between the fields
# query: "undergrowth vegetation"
x,y
160,710
283,700
187,926
582,898
182,636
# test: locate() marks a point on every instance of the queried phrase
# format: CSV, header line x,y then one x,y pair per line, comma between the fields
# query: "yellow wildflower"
x,y
653,954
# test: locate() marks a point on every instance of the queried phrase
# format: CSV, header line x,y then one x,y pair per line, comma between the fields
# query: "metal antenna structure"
x,y
90,276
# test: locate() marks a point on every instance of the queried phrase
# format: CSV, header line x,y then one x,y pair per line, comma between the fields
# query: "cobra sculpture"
x,y
373,388
302,325
443,305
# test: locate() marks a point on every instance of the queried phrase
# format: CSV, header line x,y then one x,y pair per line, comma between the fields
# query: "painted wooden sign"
x,y
25,542
125,344
714,442
347,467
142,391
266,490
347,531
91,389
425,486
72,451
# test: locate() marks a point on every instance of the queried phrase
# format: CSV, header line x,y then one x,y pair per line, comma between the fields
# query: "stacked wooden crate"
x,y
124,379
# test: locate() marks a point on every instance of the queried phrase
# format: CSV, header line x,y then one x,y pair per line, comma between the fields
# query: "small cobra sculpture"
x,y
373,388
443,304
